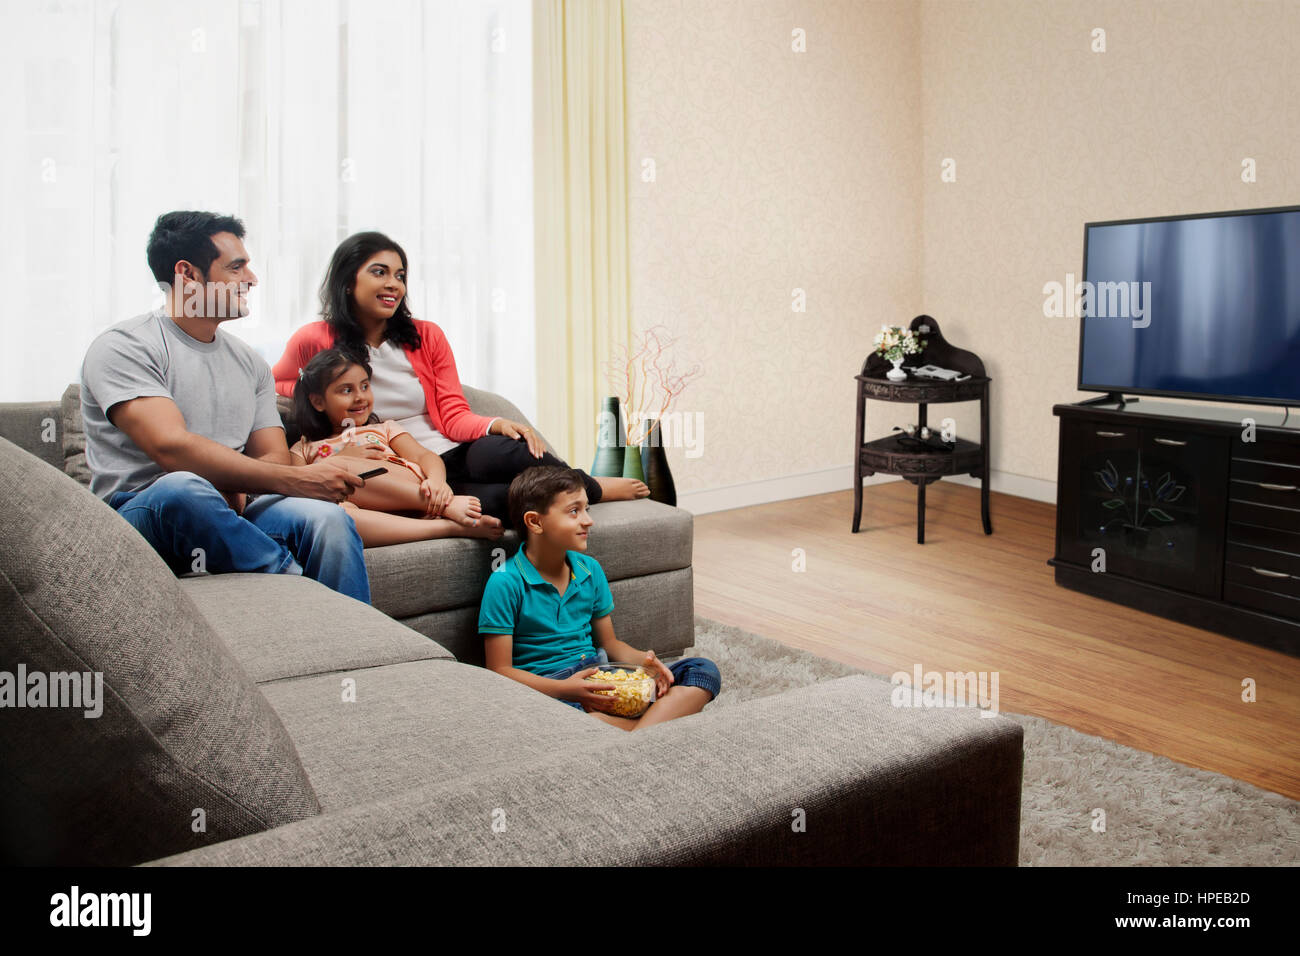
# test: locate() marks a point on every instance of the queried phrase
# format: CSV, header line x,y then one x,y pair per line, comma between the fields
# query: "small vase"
x,y
654,462
896,374
632,463
609,442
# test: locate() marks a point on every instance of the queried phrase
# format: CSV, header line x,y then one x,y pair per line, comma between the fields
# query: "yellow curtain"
x,y
580,172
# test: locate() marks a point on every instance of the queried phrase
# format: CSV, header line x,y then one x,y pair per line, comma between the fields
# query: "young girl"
x,y
332,406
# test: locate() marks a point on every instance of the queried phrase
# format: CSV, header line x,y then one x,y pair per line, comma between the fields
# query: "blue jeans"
x,y
688,672
277,535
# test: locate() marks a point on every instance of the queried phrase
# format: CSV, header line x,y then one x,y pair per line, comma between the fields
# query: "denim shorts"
x,y
687,672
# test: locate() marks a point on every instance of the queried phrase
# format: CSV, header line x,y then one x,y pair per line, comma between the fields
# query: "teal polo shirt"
x,y
550,631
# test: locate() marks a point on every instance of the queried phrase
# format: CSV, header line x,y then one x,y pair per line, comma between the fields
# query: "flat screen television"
x,y
1204,306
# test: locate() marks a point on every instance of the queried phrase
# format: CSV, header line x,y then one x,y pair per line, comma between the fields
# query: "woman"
x,y
414,380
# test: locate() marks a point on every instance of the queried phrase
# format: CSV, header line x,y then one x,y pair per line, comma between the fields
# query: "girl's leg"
x,y
378,528
399,490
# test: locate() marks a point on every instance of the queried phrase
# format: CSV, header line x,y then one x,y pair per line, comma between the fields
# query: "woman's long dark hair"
x,y
323,369
336,301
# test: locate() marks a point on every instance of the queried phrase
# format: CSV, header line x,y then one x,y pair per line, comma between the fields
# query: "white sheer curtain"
x,y
309,119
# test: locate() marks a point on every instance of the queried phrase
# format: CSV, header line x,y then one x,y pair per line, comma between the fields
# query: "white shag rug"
x,y
1158,812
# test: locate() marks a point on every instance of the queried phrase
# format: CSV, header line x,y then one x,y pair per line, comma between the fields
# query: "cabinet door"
x,y
1181,509
1096,498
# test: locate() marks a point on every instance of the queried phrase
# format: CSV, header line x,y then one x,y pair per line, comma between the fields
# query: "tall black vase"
x,y
655,465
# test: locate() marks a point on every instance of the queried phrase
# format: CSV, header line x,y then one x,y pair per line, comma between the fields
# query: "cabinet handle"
x,y
1265,485
1270,574
1170,441
1110,434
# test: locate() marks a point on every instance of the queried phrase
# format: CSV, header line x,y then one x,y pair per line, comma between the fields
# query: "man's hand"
x,y
584,691
326,480
659,671
237,500
437,495
504,426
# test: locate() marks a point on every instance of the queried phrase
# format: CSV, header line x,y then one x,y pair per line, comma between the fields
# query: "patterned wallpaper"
x,y
1048,134
774,170
820,170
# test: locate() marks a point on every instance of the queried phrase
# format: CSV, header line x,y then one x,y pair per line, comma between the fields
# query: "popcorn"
x,y
634,689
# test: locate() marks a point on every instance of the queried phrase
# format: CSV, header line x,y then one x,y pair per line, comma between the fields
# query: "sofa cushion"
x,y
629,539
279,625
183,740
34,427
74,435
421,723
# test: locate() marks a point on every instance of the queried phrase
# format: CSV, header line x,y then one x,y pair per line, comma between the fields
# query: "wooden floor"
x,y
963,601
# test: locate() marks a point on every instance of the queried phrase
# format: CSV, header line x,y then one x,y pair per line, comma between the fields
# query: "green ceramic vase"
x,y
632,463
609,442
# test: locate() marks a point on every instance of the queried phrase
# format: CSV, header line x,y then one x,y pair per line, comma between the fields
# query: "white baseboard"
x,y
840,479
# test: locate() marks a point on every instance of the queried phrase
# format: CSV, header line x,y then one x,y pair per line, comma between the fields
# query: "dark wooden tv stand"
x,y
1172,509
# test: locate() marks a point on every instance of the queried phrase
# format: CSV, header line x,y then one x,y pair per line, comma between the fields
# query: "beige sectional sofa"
x,y
259,719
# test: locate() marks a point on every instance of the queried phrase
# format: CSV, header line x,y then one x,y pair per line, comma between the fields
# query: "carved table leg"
x,y
984,476
920,511
857,460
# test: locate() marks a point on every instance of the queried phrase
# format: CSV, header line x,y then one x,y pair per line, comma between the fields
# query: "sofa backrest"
x,y
127,729
52,431
35,427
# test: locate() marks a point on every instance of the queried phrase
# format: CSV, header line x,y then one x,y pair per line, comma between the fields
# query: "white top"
x,y
398,394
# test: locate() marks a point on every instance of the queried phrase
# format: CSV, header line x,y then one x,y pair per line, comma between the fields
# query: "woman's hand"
x,y
504,426
437,495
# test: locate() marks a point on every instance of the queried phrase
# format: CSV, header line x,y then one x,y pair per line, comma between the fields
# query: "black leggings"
x,y
485,467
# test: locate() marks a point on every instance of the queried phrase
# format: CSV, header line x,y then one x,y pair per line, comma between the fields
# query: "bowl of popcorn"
x,y
633,688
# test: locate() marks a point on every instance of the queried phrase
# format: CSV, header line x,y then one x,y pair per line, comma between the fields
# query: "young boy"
x,y
547,609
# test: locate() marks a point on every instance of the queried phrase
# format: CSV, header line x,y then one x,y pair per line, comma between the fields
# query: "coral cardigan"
x,y
434,366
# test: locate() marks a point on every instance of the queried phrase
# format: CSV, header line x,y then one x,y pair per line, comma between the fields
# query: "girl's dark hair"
x,y
323,369
336,301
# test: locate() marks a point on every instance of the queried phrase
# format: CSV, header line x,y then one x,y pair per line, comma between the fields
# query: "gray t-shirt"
x,y
223,388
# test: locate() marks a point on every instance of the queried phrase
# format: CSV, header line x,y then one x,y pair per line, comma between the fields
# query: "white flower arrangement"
x,y
894,343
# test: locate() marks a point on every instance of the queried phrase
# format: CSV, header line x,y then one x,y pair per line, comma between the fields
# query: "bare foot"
x,y
622,489
467,511
481,530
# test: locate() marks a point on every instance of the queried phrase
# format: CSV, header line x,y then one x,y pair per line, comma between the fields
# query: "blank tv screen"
x,y
1207,307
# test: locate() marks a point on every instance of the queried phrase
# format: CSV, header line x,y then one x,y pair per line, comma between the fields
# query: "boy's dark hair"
x,y
534,489
186,234
323,369
336,299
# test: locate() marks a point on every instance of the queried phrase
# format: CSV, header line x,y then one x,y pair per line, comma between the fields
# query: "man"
x,y
183,438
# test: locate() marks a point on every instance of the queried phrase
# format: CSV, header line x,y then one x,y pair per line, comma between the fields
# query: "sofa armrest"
x,y
876,785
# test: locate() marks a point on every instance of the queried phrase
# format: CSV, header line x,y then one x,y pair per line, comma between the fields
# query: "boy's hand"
x,y
584,691
659,670
437,495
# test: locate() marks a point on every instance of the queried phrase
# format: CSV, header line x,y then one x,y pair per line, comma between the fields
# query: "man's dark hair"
x,y
186,235
534,489
336,295
323,369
